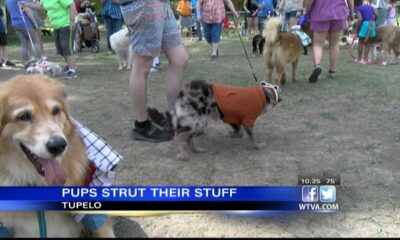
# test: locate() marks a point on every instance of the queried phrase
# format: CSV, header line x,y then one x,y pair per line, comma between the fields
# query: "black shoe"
x,y
10,64
66,69
151,133
314,76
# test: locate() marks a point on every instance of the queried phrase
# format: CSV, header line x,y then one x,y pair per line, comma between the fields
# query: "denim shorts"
x,y
153,26
212,32
364,29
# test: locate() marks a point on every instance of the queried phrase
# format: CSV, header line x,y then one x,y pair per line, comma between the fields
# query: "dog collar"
x,y
275,88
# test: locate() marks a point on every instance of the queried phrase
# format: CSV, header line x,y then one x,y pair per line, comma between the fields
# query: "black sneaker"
x,y
314,76
66,69
151,133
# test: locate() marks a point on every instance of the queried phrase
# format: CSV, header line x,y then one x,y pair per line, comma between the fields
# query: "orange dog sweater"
x,y
240,105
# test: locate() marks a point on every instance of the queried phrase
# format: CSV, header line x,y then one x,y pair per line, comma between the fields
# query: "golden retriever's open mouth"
x,y
50,169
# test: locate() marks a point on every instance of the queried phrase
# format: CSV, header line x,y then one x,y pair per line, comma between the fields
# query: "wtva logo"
x,y
309,193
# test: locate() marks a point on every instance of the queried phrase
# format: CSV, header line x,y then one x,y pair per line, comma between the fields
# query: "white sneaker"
x,y
153,69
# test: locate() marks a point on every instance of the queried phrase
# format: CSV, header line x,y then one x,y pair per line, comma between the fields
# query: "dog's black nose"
x,y
56,145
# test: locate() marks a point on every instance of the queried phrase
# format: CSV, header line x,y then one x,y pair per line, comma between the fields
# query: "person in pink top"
x,y
392,14
214,14
328,20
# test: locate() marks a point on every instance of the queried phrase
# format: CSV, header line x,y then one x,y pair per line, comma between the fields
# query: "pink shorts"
x,y
327,26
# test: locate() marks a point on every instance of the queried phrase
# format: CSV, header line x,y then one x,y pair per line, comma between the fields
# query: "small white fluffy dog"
x,y
45,67
121,44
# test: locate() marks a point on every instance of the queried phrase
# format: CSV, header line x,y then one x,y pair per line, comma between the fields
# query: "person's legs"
x,y
36,43
249,26
215,39
255,25
152,33
334,38
360,48
198,30
138,85
23,38
292,21
108,26
318,46
207,32
64,44
177,58
116,25
319,36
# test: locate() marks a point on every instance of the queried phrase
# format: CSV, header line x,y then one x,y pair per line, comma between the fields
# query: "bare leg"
x,y
70,60
105,231
360,48
318,45
138,87
177,58
215,48
334,38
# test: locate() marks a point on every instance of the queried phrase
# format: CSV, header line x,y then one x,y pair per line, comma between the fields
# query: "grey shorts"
x,y
64,39
186,22
153,26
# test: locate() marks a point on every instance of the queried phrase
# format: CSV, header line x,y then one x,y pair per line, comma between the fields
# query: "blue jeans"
x,y
198,29
212,32
112,26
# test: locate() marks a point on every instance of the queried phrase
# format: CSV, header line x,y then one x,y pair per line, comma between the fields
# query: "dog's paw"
x,y
236,134
183,156
259,145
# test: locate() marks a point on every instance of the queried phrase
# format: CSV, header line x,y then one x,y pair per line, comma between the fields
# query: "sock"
x,y
71,70
141,124
332,71
317,66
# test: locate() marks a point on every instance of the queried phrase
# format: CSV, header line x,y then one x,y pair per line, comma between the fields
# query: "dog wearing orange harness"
x,y
199,100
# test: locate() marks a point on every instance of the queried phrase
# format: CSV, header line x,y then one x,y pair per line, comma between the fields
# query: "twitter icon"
x,y
327,193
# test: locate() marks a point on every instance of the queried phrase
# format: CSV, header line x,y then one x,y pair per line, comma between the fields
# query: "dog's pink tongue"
x,y
53,172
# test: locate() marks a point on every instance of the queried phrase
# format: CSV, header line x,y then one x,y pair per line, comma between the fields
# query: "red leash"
x,y
351,47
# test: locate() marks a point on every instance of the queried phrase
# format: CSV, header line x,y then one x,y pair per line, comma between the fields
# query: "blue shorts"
x,y
364,30
212,32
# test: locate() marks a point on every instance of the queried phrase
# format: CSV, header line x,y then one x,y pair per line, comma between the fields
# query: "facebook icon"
x,y
309,193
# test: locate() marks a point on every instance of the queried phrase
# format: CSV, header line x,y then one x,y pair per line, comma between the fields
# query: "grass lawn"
x,y
348,127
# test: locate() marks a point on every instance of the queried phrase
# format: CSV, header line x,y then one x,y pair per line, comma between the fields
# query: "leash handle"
x,y
244,48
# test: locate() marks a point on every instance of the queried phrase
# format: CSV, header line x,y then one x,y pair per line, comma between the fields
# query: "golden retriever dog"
x,y
39,146
280,49
389,36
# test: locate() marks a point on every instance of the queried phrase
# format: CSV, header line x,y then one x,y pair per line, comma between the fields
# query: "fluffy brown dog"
x,y
389,36
39,146
280,49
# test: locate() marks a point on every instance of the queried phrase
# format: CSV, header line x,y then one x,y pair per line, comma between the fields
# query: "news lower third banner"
x,y
169,198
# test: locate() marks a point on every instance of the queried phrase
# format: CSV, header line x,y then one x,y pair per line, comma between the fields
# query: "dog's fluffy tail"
x,y
271,30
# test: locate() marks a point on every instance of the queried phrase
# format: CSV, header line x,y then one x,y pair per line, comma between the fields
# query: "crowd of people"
x,y
154,30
